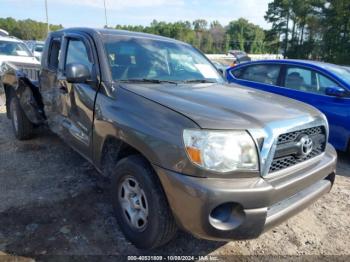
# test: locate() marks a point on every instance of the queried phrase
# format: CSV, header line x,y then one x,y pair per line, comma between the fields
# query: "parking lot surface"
x,y
53,202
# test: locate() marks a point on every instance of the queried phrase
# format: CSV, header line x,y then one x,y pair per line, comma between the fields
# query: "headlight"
x,y
221,151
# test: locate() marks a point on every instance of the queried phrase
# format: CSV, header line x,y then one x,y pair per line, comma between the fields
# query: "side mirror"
x,y
77,73
336,91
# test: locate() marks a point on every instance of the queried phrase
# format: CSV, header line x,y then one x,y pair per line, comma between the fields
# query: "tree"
x,y
214,38
278,14
27,29
272,42
336,38
217,33
316,29
200,25
246,36
258,45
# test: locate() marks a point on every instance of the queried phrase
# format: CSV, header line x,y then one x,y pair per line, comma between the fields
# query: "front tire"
x,y
140,204
22,127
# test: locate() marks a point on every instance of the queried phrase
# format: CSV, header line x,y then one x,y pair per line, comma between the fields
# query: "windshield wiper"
x,y
146,80
199,81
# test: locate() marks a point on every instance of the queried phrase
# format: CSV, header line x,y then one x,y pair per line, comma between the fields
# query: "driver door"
x,y
77,99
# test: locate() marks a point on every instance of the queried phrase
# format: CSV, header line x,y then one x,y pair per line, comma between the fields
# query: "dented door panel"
x,y
69,106
79,107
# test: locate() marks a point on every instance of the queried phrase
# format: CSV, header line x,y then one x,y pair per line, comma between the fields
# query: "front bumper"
x,y
254,204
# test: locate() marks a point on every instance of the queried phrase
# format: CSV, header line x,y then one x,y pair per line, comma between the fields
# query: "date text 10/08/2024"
x,y
173,258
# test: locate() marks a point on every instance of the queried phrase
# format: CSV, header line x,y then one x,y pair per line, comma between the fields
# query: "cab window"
x,y
77,53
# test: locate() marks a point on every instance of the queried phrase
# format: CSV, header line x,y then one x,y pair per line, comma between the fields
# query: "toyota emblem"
x,y
306,145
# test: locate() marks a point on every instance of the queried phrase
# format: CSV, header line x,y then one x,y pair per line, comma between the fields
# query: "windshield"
x,y
13,49
146,59
341,72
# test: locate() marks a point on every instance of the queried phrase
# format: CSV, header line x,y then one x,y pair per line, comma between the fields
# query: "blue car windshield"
x,y
341,72
133,58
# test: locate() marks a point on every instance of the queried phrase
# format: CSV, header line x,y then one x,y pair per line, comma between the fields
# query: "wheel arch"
x,y
29,97
113,150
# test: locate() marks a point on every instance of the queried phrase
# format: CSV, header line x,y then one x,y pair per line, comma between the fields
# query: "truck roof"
x,y
115,32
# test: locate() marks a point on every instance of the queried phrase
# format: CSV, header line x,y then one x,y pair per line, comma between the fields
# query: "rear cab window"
x,y
54,53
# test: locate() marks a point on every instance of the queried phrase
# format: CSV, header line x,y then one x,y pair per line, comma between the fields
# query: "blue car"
x,y
322,85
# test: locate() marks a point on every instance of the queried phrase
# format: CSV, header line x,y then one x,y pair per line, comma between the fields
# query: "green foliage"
x,y
311,29
246,36
210,38
27,29
336,23
213,38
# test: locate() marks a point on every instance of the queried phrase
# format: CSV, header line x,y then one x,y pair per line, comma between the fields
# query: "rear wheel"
x,y
22,127
140,204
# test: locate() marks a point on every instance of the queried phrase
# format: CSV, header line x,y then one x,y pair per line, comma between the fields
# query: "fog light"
x,y
227,216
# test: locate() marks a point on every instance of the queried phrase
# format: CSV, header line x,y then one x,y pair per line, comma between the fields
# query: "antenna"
x,y
104,2
47,18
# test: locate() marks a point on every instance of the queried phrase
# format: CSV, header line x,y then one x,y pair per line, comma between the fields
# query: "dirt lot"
x,y
52,202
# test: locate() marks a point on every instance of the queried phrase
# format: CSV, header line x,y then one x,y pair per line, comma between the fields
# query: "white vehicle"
x,y
15,51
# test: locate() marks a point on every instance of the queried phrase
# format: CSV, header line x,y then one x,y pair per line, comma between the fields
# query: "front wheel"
x,y
140,204
22,127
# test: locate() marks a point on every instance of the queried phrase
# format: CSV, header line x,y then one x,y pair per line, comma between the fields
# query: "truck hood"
x,y
217,106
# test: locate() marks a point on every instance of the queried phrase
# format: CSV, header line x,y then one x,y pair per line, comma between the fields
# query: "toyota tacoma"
x,y
182,148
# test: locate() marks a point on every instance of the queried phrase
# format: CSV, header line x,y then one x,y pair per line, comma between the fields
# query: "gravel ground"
x,y
53,203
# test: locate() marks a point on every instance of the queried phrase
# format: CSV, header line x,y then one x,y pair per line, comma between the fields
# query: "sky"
x,y
90,13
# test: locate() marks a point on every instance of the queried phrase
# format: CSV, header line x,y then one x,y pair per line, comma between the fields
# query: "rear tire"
x,y
137,195
22,127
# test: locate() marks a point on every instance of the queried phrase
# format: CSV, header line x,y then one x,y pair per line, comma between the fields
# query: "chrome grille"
x,y
30,70
287,144
290,137
31,73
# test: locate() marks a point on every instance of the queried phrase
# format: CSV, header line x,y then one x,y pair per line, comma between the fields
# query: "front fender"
x,y
152,129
